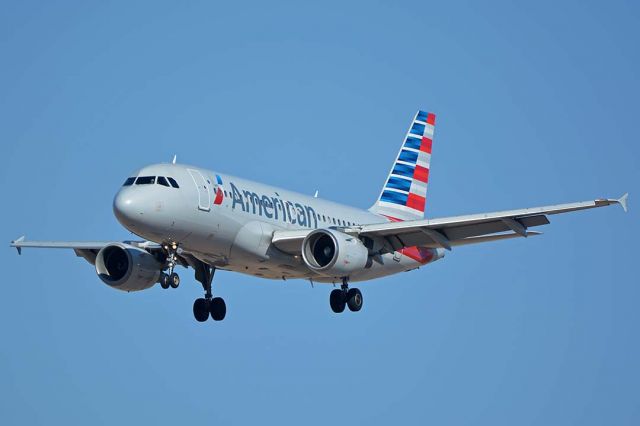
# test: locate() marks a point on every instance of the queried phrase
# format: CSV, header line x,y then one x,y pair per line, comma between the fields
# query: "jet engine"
x,y
333,253
127,268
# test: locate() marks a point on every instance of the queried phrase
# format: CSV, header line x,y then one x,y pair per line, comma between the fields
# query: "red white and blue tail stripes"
x,y
404,194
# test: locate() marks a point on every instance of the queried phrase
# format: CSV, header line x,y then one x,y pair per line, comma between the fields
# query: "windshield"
x,y
146,180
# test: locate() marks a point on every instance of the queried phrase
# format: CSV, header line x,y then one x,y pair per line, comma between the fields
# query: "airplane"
x,y
207,220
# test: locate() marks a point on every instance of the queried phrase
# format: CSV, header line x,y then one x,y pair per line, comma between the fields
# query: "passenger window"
x,y
334,220
173,182
129,181
146,180
162,181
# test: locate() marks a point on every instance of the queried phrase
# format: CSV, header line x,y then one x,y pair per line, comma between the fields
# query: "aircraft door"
x,y
204,193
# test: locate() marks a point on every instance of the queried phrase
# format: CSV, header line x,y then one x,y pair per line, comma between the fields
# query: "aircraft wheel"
x,y
174,280
164,281
201,309
218,309
337,300
354,300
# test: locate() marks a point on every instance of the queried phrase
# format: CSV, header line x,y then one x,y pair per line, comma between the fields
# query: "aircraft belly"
x,y
272,269
252,253
210,235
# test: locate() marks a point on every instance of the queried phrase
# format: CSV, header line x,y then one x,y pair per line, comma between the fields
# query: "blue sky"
x,y
536,104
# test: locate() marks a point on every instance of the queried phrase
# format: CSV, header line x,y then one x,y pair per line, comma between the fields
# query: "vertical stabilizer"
x,y
404,194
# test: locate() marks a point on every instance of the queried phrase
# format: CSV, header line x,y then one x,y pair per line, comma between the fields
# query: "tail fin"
x,y
404,194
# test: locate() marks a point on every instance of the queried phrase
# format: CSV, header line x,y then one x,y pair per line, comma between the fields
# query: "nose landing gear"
x,y
170,279
340,298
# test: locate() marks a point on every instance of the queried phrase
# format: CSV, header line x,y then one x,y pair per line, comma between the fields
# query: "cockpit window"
x,y
162,181
173,182
129,181
146,180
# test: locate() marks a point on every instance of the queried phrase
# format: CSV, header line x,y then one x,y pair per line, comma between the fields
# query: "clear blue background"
x,y
536,104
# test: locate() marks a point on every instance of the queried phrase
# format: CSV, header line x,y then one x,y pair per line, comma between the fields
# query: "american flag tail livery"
x,y
404,194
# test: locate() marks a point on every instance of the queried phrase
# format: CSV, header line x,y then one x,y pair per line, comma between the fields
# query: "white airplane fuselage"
x,y
228,222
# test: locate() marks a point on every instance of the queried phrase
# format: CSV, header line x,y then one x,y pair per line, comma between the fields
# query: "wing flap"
x,y
491,227
489,238
88,254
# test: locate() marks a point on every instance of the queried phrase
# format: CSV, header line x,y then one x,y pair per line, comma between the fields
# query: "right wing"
x,y
453,231
459,230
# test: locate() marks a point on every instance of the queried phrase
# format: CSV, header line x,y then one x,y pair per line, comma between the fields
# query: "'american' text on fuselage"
x,y
274,208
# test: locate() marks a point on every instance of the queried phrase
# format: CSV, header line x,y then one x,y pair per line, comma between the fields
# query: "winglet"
x,y
623,201
15,244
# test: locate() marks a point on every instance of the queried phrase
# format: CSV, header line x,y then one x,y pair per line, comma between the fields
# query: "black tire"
x,y
337,300
174,280
218,309
164,281
354,300
201,310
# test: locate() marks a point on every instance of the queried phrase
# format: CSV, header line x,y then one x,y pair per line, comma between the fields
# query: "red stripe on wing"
x,y
419,254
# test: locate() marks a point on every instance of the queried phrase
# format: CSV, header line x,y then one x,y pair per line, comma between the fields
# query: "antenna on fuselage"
x,y
175,157
316,194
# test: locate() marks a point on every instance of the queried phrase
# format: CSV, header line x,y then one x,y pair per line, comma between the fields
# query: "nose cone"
x,y
126,208
142,211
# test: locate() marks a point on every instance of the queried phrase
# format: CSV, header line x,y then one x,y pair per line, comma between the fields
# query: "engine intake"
x,y
333,253
127,268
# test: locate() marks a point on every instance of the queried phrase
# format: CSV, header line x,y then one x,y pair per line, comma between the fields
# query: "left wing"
x,y
85,249
21,243
452,231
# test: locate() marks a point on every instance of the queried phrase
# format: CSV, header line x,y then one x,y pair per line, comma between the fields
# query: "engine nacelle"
x,y
127,268
333,253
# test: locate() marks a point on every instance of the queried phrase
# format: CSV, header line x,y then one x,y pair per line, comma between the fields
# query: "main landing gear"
x,y
205,306
340,298
171,279
209,305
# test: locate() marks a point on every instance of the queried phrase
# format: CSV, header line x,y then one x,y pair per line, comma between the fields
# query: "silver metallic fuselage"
x,y
232,228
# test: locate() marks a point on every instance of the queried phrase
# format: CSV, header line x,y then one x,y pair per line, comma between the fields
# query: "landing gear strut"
x,y
340,298
170,279
209,305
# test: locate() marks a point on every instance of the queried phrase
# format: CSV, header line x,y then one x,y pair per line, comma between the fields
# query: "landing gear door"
x,y
204,193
